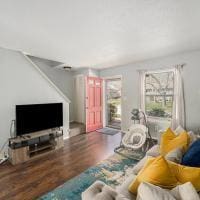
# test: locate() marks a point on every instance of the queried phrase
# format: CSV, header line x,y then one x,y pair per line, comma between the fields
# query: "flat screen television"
x,y
38,117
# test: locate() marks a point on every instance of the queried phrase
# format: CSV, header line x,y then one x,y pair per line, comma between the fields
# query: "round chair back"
x,y
136,137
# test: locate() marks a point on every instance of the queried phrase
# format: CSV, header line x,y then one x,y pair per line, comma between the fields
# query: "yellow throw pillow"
x,y
186,174
170,141
157,172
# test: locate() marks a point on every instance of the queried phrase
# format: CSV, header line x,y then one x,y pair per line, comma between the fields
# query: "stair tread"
x,y
76,124
76,128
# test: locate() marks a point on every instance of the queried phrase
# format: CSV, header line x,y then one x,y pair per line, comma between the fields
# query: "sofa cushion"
x,y
179,130
101,191
123,189
147,191
170,141
156,171
140,164
175,155
185,192
192,136
191,157
154,151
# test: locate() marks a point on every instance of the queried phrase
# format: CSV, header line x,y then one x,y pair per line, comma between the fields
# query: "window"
x,y
113,102
159,93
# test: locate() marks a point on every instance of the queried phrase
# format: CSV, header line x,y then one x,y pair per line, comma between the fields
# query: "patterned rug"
x,y
113,171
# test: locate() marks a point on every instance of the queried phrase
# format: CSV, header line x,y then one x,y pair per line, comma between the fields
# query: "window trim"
x,y
158,71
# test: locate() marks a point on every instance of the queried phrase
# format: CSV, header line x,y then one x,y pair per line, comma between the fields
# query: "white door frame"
x,y
104,96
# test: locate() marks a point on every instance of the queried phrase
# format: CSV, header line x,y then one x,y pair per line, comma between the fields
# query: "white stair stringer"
x,y
47,78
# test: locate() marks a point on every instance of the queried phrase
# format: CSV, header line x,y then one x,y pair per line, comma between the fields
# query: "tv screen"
x,y
37,117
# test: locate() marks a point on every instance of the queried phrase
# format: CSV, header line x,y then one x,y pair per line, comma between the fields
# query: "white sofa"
x,y
100,191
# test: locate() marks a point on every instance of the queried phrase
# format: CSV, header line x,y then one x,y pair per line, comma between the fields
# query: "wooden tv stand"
x,y
34,145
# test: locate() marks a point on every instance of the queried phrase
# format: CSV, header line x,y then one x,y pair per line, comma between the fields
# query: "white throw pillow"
x,y
175,155
147,191
179,130
101,191
185,192
154,151
193,137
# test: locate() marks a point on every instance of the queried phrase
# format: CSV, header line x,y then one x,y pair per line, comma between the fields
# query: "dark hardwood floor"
x,y
34,178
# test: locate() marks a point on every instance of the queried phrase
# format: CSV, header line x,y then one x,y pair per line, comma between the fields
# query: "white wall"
x,y
87,72
130,84
64,80
79,100
21,83
93,72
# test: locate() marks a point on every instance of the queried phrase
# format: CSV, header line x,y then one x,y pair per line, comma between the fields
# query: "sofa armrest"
x,y
154,151
140,164
101,191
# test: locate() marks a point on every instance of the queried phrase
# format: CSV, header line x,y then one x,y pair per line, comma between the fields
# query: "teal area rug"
x,y
113,171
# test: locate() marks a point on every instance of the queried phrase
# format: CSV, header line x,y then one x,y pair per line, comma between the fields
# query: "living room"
x,y
100,100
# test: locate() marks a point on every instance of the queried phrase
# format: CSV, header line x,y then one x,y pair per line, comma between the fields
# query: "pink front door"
x,y
93,104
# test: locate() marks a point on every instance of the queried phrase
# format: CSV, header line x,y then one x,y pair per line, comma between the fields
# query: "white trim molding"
x,y
112,77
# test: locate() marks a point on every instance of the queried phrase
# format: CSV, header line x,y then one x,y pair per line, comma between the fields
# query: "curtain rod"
x,y
162,69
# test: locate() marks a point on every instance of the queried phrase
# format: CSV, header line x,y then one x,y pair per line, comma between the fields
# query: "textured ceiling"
x,y
100,33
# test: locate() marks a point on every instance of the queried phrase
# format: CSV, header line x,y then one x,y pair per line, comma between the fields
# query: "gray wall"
x,y
21,83
62,79
130,84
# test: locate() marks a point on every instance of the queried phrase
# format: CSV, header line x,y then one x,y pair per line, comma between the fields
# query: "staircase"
x,y
76,129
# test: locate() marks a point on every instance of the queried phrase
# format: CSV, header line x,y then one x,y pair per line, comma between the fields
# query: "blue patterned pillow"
x,y
192,156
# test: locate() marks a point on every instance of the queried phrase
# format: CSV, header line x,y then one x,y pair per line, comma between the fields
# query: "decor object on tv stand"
x,y
34,145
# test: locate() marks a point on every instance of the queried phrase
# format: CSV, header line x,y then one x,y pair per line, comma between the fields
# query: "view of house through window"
x,y
159,92
113,102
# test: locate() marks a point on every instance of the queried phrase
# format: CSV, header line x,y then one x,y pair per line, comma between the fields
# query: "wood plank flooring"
x,y
34,178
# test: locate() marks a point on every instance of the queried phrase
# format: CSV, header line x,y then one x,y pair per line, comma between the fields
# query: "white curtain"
x,y
178,113
142,90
